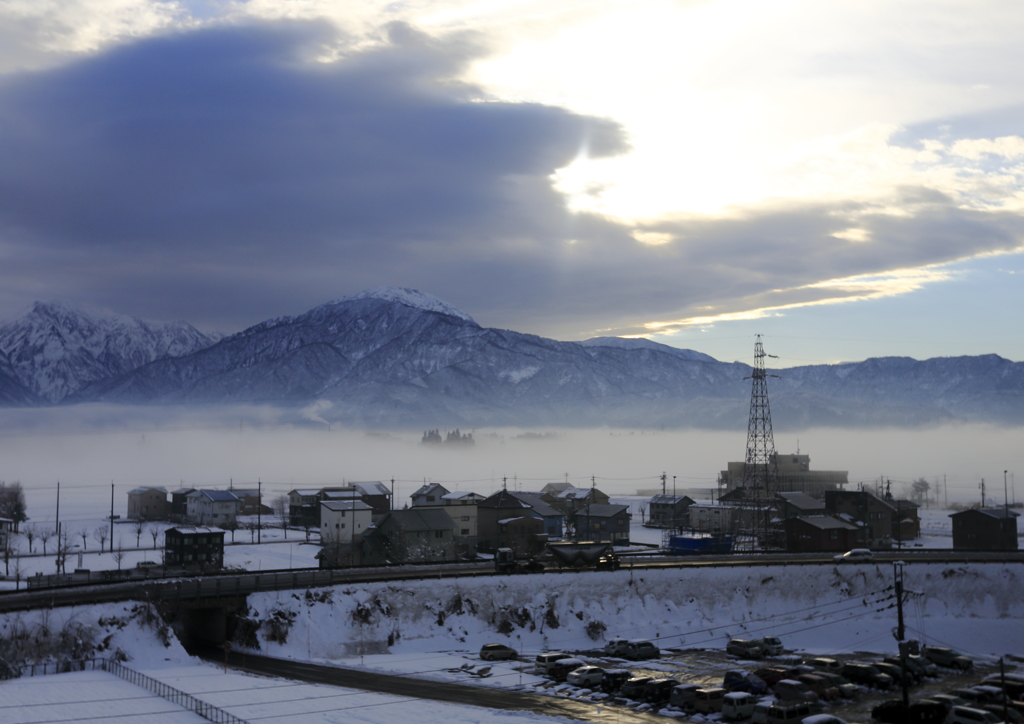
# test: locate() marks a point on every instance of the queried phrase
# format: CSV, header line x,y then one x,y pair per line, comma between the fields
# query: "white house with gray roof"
x,y
212,507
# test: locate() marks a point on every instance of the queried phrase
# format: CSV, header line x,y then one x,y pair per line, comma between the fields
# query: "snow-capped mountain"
x,y
403,358
56,349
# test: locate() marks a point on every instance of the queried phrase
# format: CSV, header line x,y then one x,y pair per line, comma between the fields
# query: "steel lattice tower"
x,y
760,473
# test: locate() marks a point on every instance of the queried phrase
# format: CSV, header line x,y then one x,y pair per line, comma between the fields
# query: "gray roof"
x,y
536,502
430,488
373,488
421,519
217,496
670,499
991,512
342,494
803,501
146,489
345,505
191,529
182,491
826,522
503,499
602,511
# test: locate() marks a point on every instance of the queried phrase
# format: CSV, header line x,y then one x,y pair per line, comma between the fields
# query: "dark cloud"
x,y
228,175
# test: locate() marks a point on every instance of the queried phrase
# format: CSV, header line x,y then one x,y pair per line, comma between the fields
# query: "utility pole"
x,y
664,478
945,490
259,511
111,517
900,632
982,486
58,507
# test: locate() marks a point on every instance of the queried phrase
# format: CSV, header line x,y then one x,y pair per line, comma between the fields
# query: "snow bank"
x,y
973,607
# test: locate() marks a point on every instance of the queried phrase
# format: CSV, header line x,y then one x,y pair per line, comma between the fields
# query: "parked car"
x,y
738,705
948,700
894,672
683,696
633,688
866,675
613,679
744,649
561,669
793,690
616,647
914,668
857,555
772,675
1009,714
639,650
820,686
945,656
924,711
975,695
927,666
822,663
544,662
846,689
709,700
659,691
970,715
770,645
822,719
760,715
496,652
587,677
740,680
788,713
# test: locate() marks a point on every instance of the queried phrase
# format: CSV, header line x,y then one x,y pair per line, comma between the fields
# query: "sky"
x,y
844,178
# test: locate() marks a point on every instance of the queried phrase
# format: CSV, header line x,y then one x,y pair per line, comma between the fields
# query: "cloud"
x,y
237,172
230,166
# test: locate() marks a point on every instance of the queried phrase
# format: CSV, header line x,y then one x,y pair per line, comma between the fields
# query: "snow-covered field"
x,y
434,629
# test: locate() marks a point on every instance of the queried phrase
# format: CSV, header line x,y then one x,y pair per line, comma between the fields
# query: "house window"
x,y
833,534
439,534
465,531
465,518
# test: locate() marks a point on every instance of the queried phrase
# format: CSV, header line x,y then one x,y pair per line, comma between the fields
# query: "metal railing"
x,y
176,696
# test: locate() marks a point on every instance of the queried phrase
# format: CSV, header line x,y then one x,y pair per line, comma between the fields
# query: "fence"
x,y
186,701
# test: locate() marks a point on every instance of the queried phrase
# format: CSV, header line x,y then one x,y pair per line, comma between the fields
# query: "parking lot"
x,y
708,667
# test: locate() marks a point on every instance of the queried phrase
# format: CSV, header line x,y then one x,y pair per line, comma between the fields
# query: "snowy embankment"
x,y
826,609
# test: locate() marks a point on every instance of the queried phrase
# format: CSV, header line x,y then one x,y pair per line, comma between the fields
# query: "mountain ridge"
x,y
399,357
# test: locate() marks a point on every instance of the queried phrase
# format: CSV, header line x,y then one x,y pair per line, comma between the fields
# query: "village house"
x,y
985,529
820,533
568,499
409,536
179,504
148,503
540,508
669,511
906,521
429,494
341,525
194,547
501,506
870,511
603,523
798,505
212,507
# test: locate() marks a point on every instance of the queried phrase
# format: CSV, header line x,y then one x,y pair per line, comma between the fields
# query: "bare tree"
x,y
118,554
30,535
154,533
18,572
230,525
138,526
44,535
10,550
100,536
280,507
63,548
83,533
12,503
251,527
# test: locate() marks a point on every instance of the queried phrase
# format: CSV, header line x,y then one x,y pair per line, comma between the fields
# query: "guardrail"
x,y
206,710
176,696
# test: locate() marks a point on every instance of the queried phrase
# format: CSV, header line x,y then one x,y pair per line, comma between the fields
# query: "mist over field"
x,y
88,447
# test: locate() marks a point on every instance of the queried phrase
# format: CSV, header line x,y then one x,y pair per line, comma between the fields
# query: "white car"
x,y
969,715
586,677
857,555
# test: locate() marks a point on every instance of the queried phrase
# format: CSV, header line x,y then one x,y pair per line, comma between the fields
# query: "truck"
x,y
506,561
584,554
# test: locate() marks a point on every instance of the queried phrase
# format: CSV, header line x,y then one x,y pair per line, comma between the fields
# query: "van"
x,y
638,650
823,663
760,713
738,705
969,715
744,649
561,669
780,713
546,661
793,690
683,696
616,647
770,645
709,700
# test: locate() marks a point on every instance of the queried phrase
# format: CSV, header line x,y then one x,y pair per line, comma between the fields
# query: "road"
x,y
408,687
